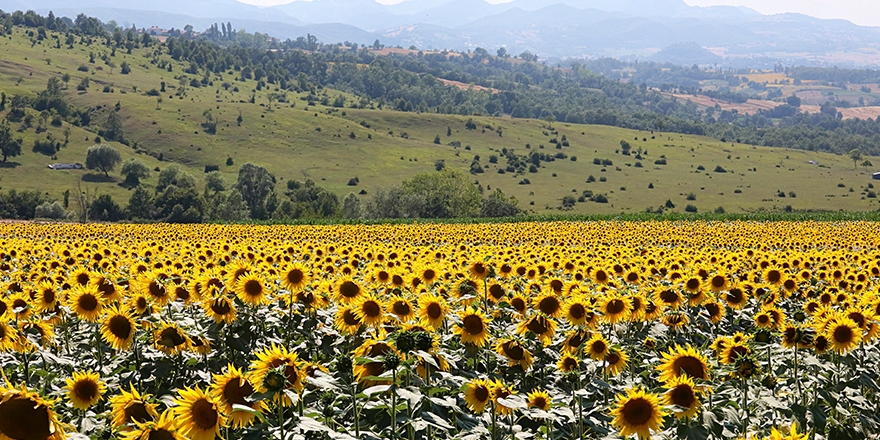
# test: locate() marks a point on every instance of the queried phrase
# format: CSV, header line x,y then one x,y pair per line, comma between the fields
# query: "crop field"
x,y
424,331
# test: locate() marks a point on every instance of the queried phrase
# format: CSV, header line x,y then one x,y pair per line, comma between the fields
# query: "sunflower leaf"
x,y
244,408
514,401
436,421
377,389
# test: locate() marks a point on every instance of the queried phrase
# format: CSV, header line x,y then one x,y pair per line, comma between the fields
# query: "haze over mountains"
x,y
552,29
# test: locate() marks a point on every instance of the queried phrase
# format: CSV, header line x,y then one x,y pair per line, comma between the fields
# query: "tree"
x,y
230,208
501,52
134,170
54,210
103,158
113,127
105,209
856,155
174,176
255,184
214,182
447,194
140,204
499,205
351,206
9,146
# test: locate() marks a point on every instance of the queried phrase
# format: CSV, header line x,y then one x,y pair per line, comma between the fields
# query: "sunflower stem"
x,y
745,406
797,377
281,416
393,403
354,406
100,350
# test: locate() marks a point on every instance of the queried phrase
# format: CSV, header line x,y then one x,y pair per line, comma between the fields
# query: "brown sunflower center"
x,y
692,284
204,415
22,418
496,291
539,402
843,334
350,318
221,307
473,324
434,311
137,412
161,434
615,306
682,395
349,289
598,346
156,290
689,365
637,411
429,274
401,308
774,276
481,393
48,296
236,390
171,337
120,326
549,305
713,309
669,297
718,281
85,389
518,304
577,311
613,357
735,296
538,325
88,302
569,364
295,276
253,288
371,309
513,350
82,279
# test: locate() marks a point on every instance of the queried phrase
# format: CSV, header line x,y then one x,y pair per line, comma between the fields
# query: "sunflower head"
x,y
474,327
84,389
683,395
477,394
540,399
683,361
25,415
131,407
637,413
198,414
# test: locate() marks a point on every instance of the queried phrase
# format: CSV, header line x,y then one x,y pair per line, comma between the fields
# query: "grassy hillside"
x,y
381,148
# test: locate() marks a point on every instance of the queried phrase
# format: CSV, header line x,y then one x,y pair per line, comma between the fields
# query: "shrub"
x,y
691,196
600,198
720,169
660,161
690,208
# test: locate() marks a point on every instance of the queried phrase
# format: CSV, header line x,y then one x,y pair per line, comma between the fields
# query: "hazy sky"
x,y
863,12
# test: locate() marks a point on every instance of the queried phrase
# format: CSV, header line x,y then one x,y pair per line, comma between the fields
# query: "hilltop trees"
x,y
103,158
134,170
9,146
256,184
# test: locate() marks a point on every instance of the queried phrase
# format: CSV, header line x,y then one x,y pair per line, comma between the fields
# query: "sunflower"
x,y
398,306
20,306
574,340
118,328
683,395
432,310
773,276
548,304
614,309
440,363
220,308
46,297
501,391
683,361
153,285
519,303
40,332
108,289
295,278
577,311
198,414
251,288
844,334
540,399
736,297
600,276
139,304
86,303
567,363
675,320
515,353
163,429
347,321
693,285
479,270
200,344
714,310
170,339
25,415
84,389
615,361
477,394
637,413
718,283
273,358
234,388
541,326
734,352
131,407
597,347
670,298
474,327
427,274
8,337
346,290
370,310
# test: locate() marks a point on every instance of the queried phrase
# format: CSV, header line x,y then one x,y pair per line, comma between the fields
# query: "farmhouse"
x,y
66,166
876,176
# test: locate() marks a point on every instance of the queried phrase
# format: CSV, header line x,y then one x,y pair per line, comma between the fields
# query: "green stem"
x,y
281,416
394,403
745,405
354,406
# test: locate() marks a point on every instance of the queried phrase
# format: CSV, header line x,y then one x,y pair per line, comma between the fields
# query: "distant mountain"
x,y
685,54
552,29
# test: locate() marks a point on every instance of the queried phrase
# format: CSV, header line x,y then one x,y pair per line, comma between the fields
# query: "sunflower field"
x,y
561,330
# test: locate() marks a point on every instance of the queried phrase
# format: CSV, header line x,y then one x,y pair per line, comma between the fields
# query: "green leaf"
x,y
244,408
378,389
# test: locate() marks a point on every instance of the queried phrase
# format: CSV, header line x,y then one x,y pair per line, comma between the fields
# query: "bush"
x,y
720,169
691,196
720,210
660,161
600,198
54,210
152,92
83,68
690,208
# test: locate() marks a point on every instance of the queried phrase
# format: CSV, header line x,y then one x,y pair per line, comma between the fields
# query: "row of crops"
x,y
497,331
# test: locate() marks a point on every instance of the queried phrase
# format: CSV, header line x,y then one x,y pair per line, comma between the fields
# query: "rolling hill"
x,y
380,147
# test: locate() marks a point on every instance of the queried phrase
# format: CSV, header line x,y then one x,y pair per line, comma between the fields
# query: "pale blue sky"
x,y
863,12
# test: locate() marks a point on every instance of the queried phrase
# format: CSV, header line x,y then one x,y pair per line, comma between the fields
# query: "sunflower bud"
x,y
424,341
769,381
343,367
392,360
405,342
275,380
